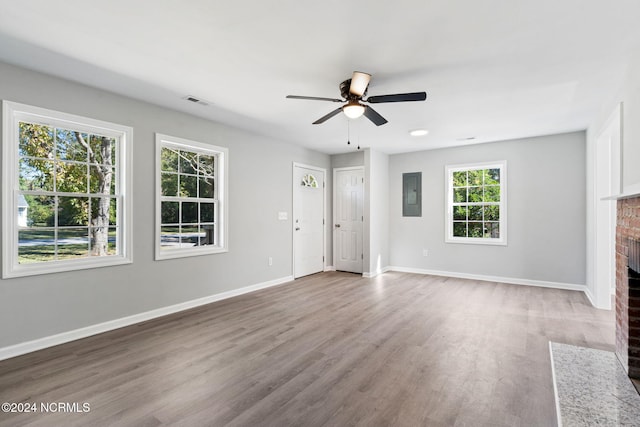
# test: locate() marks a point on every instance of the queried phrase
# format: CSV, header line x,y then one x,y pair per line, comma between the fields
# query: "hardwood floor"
x,y
330,349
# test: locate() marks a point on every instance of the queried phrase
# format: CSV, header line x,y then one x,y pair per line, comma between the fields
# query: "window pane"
x,y
492,194
102,179
169,237
35,140
475,229
104,149
73,211
475,194
103,241
36,174
459,195
104,211
71,177
492,213
475,213
169,183
460,213
36,245
188,162
170,212
491,176
460,179
492,230
207,235
69,145
475,177
189,212
460,229
112,247
207,188
41,211
169,160
206,165
73,243
188,186
189,237
207,212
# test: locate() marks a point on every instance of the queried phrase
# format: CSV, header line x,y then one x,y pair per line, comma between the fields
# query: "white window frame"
x,y
13,113
449,170
221,183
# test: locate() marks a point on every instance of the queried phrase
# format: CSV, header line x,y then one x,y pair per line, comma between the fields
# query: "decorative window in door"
x,y
309,181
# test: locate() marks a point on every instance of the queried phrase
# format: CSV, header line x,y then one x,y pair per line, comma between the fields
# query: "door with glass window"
x,y
308,220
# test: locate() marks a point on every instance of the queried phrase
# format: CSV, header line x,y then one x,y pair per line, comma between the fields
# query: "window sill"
x,y
477,241
185,253
63,266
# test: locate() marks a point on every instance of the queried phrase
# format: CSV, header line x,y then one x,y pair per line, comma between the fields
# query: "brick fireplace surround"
x,y
627,288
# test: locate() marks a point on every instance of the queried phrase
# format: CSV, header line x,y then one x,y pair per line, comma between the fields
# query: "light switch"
x,y
282,216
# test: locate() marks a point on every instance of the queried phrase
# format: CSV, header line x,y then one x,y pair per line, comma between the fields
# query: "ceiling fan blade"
x,y
398,97
328,116
359,83
373,115
314,98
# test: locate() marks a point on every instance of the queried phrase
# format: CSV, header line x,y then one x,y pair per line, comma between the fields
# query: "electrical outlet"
x,y
425,252
270,261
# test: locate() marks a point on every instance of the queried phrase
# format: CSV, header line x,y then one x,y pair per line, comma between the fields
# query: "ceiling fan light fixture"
x,y
353,109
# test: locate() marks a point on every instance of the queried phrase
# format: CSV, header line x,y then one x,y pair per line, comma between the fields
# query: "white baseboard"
x,y
64,337
329,268
499,279
369,274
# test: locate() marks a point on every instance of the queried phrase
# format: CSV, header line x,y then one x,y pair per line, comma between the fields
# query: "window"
x,y
190,202
476,203
65,192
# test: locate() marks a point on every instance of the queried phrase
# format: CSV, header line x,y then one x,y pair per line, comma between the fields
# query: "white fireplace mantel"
x,y
627,193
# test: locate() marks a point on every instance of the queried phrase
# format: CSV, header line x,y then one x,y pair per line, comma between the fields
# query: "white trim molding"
x,y
372,274
498,279
64,337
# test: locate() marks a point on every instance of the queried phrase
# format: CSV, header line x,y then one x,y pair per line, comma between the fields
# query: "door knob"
x,y
297,228
337,226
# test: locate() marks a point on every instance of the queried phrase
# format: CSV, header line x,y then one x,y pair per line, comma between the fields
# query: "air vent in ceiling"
x,y
195,100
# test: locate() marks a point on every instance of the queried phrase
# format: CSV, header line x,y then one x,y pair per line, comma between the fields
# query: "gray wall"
x,y
260,173
347,159
545,204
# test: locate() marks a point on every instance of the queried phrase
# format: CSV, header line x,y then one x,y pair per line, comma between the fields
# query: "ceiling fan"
x,y
353,92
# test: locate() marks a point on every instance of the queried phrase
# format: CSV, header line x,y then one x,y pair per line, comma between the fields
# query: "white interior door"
x,y
348,201
308,220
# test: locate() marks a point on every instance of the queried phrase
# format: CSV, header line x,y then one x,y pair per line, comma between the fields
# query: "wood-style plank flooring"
x,y
332,349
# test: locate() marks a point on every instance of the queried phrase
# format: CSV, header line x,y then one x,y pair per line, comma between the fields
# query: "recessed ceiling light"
x,y
418,132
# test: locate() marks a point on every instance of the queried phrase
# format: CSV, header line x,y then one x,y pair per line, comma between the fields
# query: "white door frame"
x,y
335,181
293,215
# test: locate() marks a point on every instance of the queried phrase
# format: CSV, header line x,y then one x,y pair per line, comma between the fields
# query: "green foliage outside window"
x,y
476,203
68,179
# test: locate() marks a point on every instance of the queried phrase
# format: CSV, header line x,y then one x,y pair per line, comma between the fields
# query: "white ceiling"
x,y
492,69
